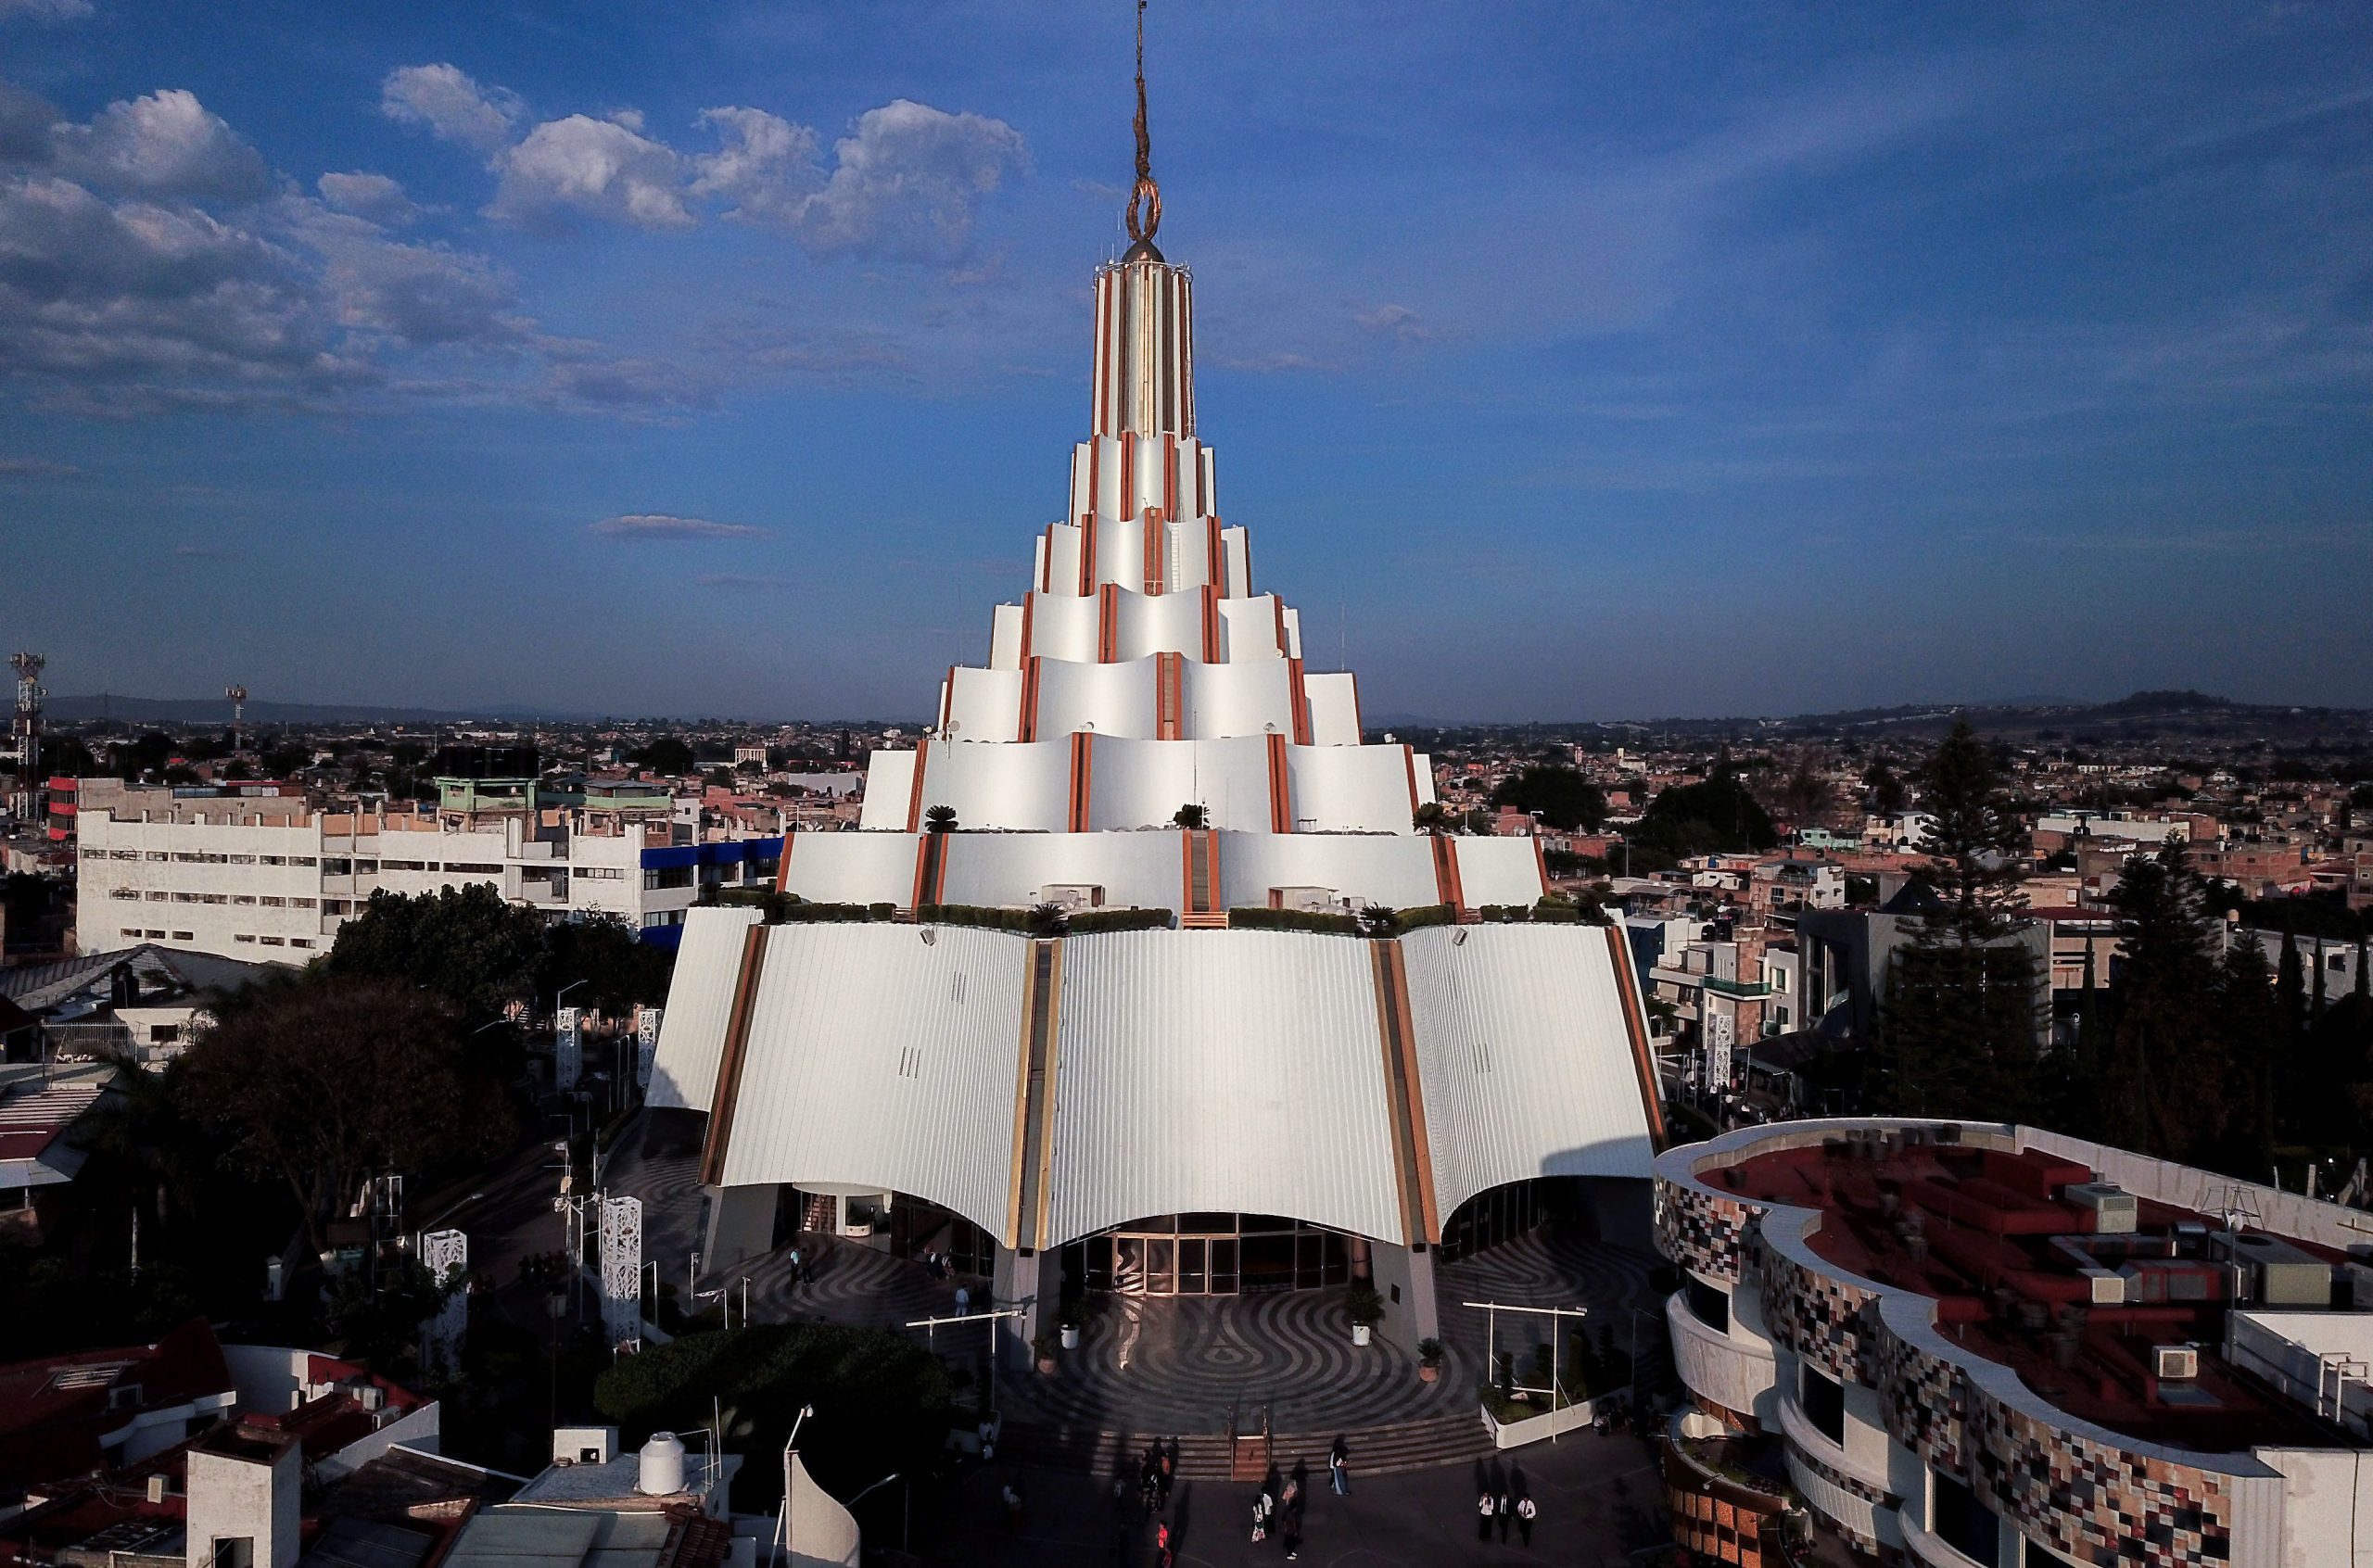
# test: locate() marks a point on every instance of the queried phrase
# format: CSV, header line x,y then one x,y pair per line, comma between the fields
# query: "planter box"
x,y
1533,1429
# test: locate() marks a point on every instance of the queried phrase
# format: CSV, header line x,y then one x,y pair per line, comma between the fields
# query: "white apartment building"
x,y
270,879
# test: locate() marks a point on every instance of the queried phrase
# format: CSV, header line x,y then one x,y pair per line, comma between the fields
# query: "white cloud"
x,y
39,468
660,525
375,197
165,145
908,180
766,171
1397,322
597,168
44,10
444,98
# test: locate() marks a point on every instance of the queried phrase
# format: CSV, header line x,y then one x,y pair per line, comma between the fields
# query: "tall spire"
x,y
1145,194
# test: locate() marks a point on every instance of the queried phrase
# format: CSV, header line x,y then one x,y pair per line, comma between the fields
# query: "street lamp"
x,y
789,1446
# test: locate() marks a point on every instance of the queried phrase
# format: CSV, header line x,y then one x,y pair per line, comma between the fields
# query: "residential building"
x,y
271,877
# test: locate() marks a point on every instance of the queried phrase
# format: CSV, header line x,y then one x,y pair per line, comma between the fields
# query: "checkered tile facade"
x,y
2098,1502
1825,1321
1702,1231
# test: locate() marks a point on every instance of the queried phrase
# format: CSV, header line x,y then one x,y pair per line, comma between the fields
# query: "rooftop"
x,y
2068,1282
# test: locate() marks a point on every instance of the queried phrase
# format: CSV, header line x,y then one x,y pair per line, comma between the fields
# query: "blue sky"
x,y
1566,361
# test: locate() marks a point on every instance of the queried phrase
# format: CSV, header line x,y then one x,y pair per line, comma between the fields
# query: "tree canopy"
x,y
1716,814
1564,799
331,1079
466,944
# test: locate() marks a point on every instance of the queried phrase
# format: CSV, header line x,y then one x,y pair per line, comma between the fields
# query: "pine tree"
x,y
1963,1020
2163,1084
2249,1030
2290,990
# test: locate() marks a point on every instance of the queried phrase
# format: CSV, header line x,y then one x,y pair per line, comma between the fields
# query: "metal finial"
x,y
1145,193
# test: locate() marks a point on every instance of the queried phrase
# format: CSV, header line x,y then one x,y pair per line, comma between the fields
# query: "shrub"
x,y
1255,918
1092,920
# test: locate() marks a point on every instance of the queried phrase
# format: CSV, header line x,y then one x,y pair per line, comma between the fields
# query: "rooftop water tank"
x,y
662,1471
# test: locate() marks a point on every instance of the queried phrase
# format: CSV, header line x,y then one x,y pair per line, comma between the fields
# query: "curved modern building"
x,y
1187,1108
1992,1346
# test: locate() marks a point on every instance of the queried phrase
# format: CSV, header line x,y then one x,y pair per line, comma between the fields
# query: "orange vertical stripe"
x,y
915,795
1169,475
1083,781
946,698
1540,864
1409,760
1298,695
1211,624
1027,727
1214,564
1108,623
1281,805
1279,606
1128,504
1087,532
1357,728
1446,877
782,863
1627,985
1028,613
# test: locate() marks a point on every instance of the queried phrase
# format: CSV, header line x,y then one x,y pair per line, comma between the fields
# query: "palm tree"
x,y
940,819
1192,816
1431,818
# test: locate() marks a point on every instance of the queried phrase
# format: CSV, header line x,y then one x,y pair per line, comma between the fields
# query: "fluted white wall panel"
x,y
1344,789
692,1029
877,1058
1168,623
1012,786
1142,870
1109,699
1525,1058
1004,637
1334,703
1220,1070
1249,628
1141,783
1499,871
1254,699
985,706
851,868
1396,871
889,780
1064,626
1238,553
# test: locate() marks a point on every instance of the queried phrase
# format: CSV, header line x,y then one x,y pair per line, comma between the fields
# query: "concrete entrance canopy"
x,y
1049,1090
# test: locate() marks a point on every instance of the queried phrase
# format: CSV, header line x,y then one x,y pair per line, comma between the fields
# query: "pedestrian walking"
x,y
1526,1512
1505,1510
1293,1532
1259,1519
1339,1466
1484,1513
1162,1476
963,1299
1013,1508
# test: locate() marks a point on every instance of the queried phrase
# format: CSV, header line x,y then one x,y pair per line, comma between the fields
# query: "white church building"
x,y
1188,1108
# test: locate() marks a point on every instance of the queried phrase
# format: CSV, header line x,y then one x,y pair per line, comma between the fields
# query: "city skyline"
x,y
467,362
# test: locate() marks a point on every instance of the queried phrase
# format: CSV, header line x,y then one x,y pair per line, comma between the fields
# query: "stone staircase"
x,y
1204,1456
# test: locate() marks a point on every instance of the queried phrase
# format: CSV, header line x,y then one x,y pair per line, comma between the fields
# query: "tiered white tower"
x,y
1141,674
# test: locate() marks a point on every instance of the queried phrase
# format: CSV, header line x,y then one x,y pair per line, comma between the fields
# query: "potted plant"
x,y
1430,1359
1366,1309
1043,1345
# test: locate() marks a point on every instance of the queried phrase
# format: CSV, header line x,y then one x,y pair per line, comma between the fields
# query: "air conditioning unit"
x,y
2108,1287
2172,1363
2113,1210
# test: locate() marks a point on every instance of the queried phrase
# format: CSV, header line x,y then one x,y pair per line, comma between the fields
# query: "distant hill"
x,y
217,710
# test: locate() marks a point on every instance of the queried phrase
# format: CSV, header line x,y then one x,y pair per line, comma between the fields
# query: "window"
x,y
2031,1554
243,898
152,932
668,877
184,936
243,860
301,942
124,855
366,867
336,906
159,854
471,868
276,941
1710,1305
403,864
300,860
1823,1398
243,937
273,859
184,898
123,893
132,931
337,868
156,897
235,1551
301,903
273,903
602,873
1957,1518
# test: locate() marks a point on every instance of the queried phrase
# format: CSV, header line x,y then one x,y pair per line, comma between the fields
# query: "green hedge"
x,y
795,911
1255,918
984,916
1090,921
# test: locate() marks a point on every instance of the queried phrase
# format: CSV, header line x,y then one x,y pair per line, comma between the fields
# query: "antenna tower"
x,y
238,695
26,727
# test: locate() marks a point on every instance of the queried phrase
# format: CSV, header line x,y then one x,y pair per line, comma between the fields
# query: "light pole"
x,y
789,1446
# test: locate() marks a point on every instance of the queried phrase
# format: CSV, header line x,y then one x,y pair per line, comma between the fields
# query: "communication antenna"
x,y
27,725
238,695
